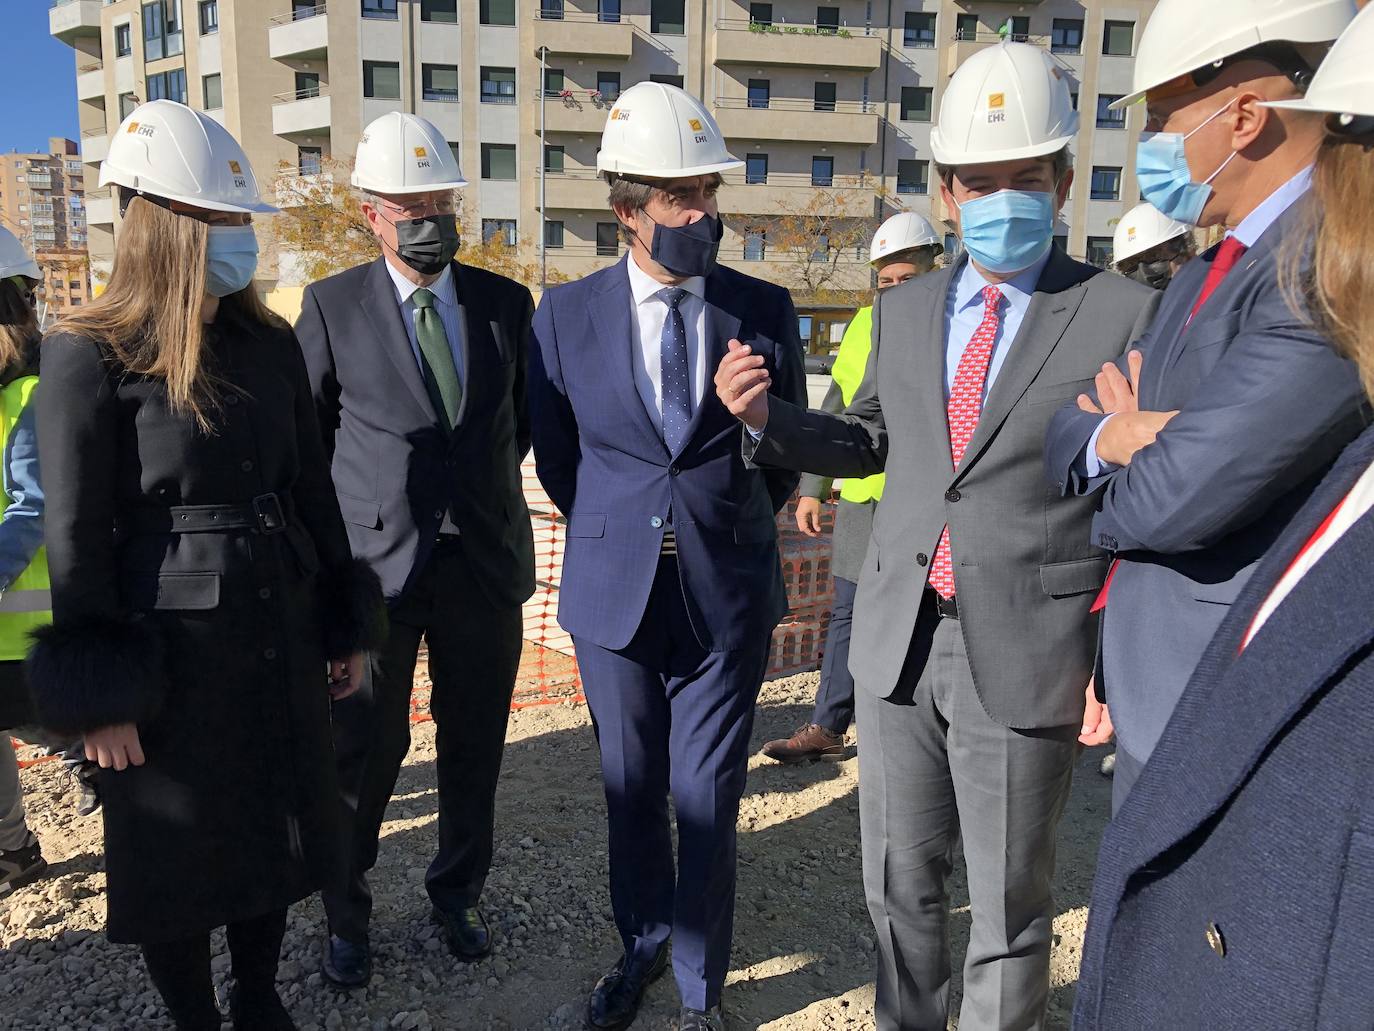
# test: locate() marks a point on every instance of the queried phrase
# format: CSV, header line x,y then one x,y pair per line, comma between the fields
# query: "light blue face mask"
x,y
1009,230
231,258
1161,168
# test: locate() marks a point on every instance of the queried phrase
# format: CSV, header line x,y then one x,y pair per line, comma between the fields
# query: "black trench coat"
x,y
215,642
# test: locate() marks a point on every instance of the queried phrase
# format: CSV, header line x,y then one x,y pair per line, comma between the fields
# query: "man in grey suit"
x,y
973,641
1249,402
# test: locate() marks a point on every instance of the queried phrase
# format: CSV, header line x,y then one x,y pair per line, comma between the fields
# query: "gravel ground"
x,y
803,943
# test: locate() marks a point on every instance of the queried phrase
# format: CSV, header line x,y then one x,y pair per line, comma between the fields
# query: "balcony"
x,y
295,189
38,181
70,20
95,144
90,84
304,33
578,189
791,193
100,211
848,122
745,42
575,32
301,112
964,45
574,110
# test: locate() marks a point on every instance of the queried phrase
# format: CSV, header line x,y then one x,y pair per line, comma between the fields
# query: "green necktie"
x,y
436,358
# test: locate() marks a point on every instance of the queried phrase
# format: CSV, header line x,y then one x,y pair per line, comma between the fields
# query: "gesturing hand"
x,y
115,747
742,385
809,516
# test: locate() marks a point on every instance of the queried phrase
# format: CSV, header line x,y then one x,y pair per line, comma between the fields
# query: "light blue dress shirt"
x,y
964,314
445,293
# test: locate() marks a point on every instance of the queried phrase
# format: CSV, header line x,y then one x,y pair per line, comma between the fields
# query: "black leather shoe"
x,y
469,937
614,1001
346,964
701,1020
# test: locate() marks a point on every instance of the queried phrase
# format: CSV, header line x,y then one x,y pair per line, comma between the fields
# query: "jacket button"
x,y
922,559
952,495
269,654
673,470
656,522
246,465
1215,940
264,593
439,514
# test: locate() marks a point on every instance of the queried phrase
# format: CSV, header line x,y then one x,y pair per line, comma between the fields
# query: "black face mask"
x,y
1154,274
688,250
427,244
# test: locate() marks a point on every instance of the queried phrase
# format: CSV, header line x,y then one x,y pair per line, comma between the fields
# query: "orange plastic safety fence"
x,y
24,764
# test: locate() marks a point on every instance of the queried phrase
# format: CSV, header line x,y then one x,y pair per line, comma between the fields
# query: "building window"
x,y
822,171
212,92
309,160
1066,36
1106,117
498,161
127,103
1106,184
966,27
553,235
502,229
761,14
758,92
828,20
1117,38
162,30
820,247
124,40
825,96
607,239
755,244
1061,242
916,103
755,168
668,17
553,82
913,176
168,86
667,80
553,158
608,85
302,9
919,31
307,85
382,80
1100,251
454,149
209,17
551,10
608,11
498,85
1018,28
446,11
384,9
439,82
1073,99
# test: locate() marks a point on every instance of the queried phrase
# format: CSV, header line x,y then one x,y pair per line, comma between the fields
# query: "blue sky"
x,y
37,79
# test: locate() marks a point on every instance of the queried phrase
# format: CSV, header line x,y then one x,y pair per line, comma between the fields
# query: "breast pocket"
x,y
1344,1003
1059,394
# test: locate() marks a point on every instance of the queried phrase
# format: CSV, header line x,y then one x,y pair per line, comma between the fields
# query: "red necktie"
x,y
964,408
1223,262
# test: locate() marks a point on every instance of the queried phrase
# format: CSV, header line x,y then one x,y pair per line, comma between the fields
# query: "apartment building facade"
x,y
43,202
829,102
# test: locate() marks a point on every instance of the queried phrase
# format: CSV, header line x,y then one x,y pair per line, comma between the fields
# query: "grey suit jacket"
x,y
1265,407
1025,568
853,519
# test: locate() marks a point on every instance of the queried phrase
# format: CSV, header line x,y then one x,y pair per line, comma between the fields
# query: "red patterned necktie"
x,y
965,406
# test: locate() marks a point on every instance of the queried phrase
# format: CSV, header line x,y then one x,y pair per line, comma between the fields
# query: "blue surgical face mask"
x,y
1161,168
231,258
1009,230
688,250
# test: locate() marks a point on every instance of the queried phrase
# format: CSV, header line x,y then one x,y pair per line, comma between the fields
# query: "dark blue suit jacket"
x,y
1253,823
606,467
1265,406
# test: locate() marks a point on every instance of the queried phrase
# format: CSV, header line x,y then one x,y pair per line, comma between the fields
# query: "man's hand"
x,y
1125,433
346,675
742,386
1097,721
809,516
115,747
1115,392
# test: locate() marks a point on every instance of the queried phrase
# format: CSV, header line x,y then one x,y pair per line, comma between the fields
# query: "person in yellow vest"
x,y
905,246
24,598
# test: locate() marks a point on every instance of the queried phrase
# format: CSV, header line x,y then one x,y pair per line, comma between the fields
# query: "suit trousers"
x,y
672,717
933,767
835,697
474,654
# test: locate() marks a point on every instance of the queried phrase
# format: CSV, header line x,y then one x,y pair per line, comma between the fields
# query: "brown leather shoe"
x,y
808,744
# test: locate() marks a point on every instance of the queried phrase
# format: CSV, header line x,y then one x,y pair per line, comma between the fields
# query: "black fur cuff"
x,y
353,611
95,672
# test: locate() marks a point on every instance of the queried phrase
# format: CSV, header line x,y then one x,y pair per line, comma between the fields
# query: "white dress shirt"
x,y
445,292
646,328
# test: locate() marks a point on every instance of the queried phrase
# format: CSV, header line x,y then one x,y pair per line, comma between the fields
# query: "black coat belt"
x,y
265,514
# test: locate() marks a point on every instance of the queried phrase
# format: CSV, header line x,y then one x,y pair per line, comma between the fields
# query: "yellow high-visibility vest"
x,y
27,604
848,372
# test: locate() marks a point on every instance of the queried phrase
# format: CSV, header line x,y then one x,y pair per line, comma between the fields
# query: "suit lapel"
x,y
721,328
928,351
379,305
478,338
611,307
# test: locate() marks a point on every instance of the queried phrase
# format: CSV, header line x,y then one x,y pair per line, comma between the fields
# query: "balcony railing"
x,y
965,36
298,14
800,180
309,93
559,14
798,104
779,26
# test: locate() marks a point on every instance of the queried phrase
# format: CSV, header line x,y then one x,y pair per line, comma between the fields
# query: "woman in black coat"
x,y
205,601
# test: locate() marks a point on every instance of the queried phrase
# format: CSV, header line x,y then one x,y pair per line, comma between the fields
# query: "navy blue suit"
x,y
1235,888
671,650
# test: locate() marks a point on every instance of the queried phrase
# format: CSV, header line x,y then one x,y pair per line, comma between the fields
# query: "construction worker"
x,y
1248,400
417,364
205,604
1150,247
671,583
1233,888
904,247
973,640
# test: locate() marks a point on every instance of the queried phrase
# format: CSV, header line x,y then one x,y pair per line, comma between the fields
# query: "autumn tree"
x,y
821,246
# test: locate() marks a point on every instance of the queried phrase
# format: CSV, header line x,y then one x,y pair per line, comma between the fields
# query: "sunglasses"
x,y
1282,56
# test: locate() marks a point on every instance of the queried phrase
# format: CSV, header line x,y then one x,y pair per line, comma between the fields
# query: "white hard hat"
x,y
167,150
1344,84
1006,102
904,231
662,132
14,259
1185,35
401,153
1143,227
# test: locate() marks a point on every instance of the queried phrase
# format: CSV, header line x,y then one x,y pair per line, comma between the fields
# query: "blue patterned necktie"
x,y
677,395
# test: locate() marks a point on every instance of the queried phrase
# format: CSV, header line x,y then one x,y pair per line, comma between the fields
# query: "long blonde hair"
x,y
150,313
